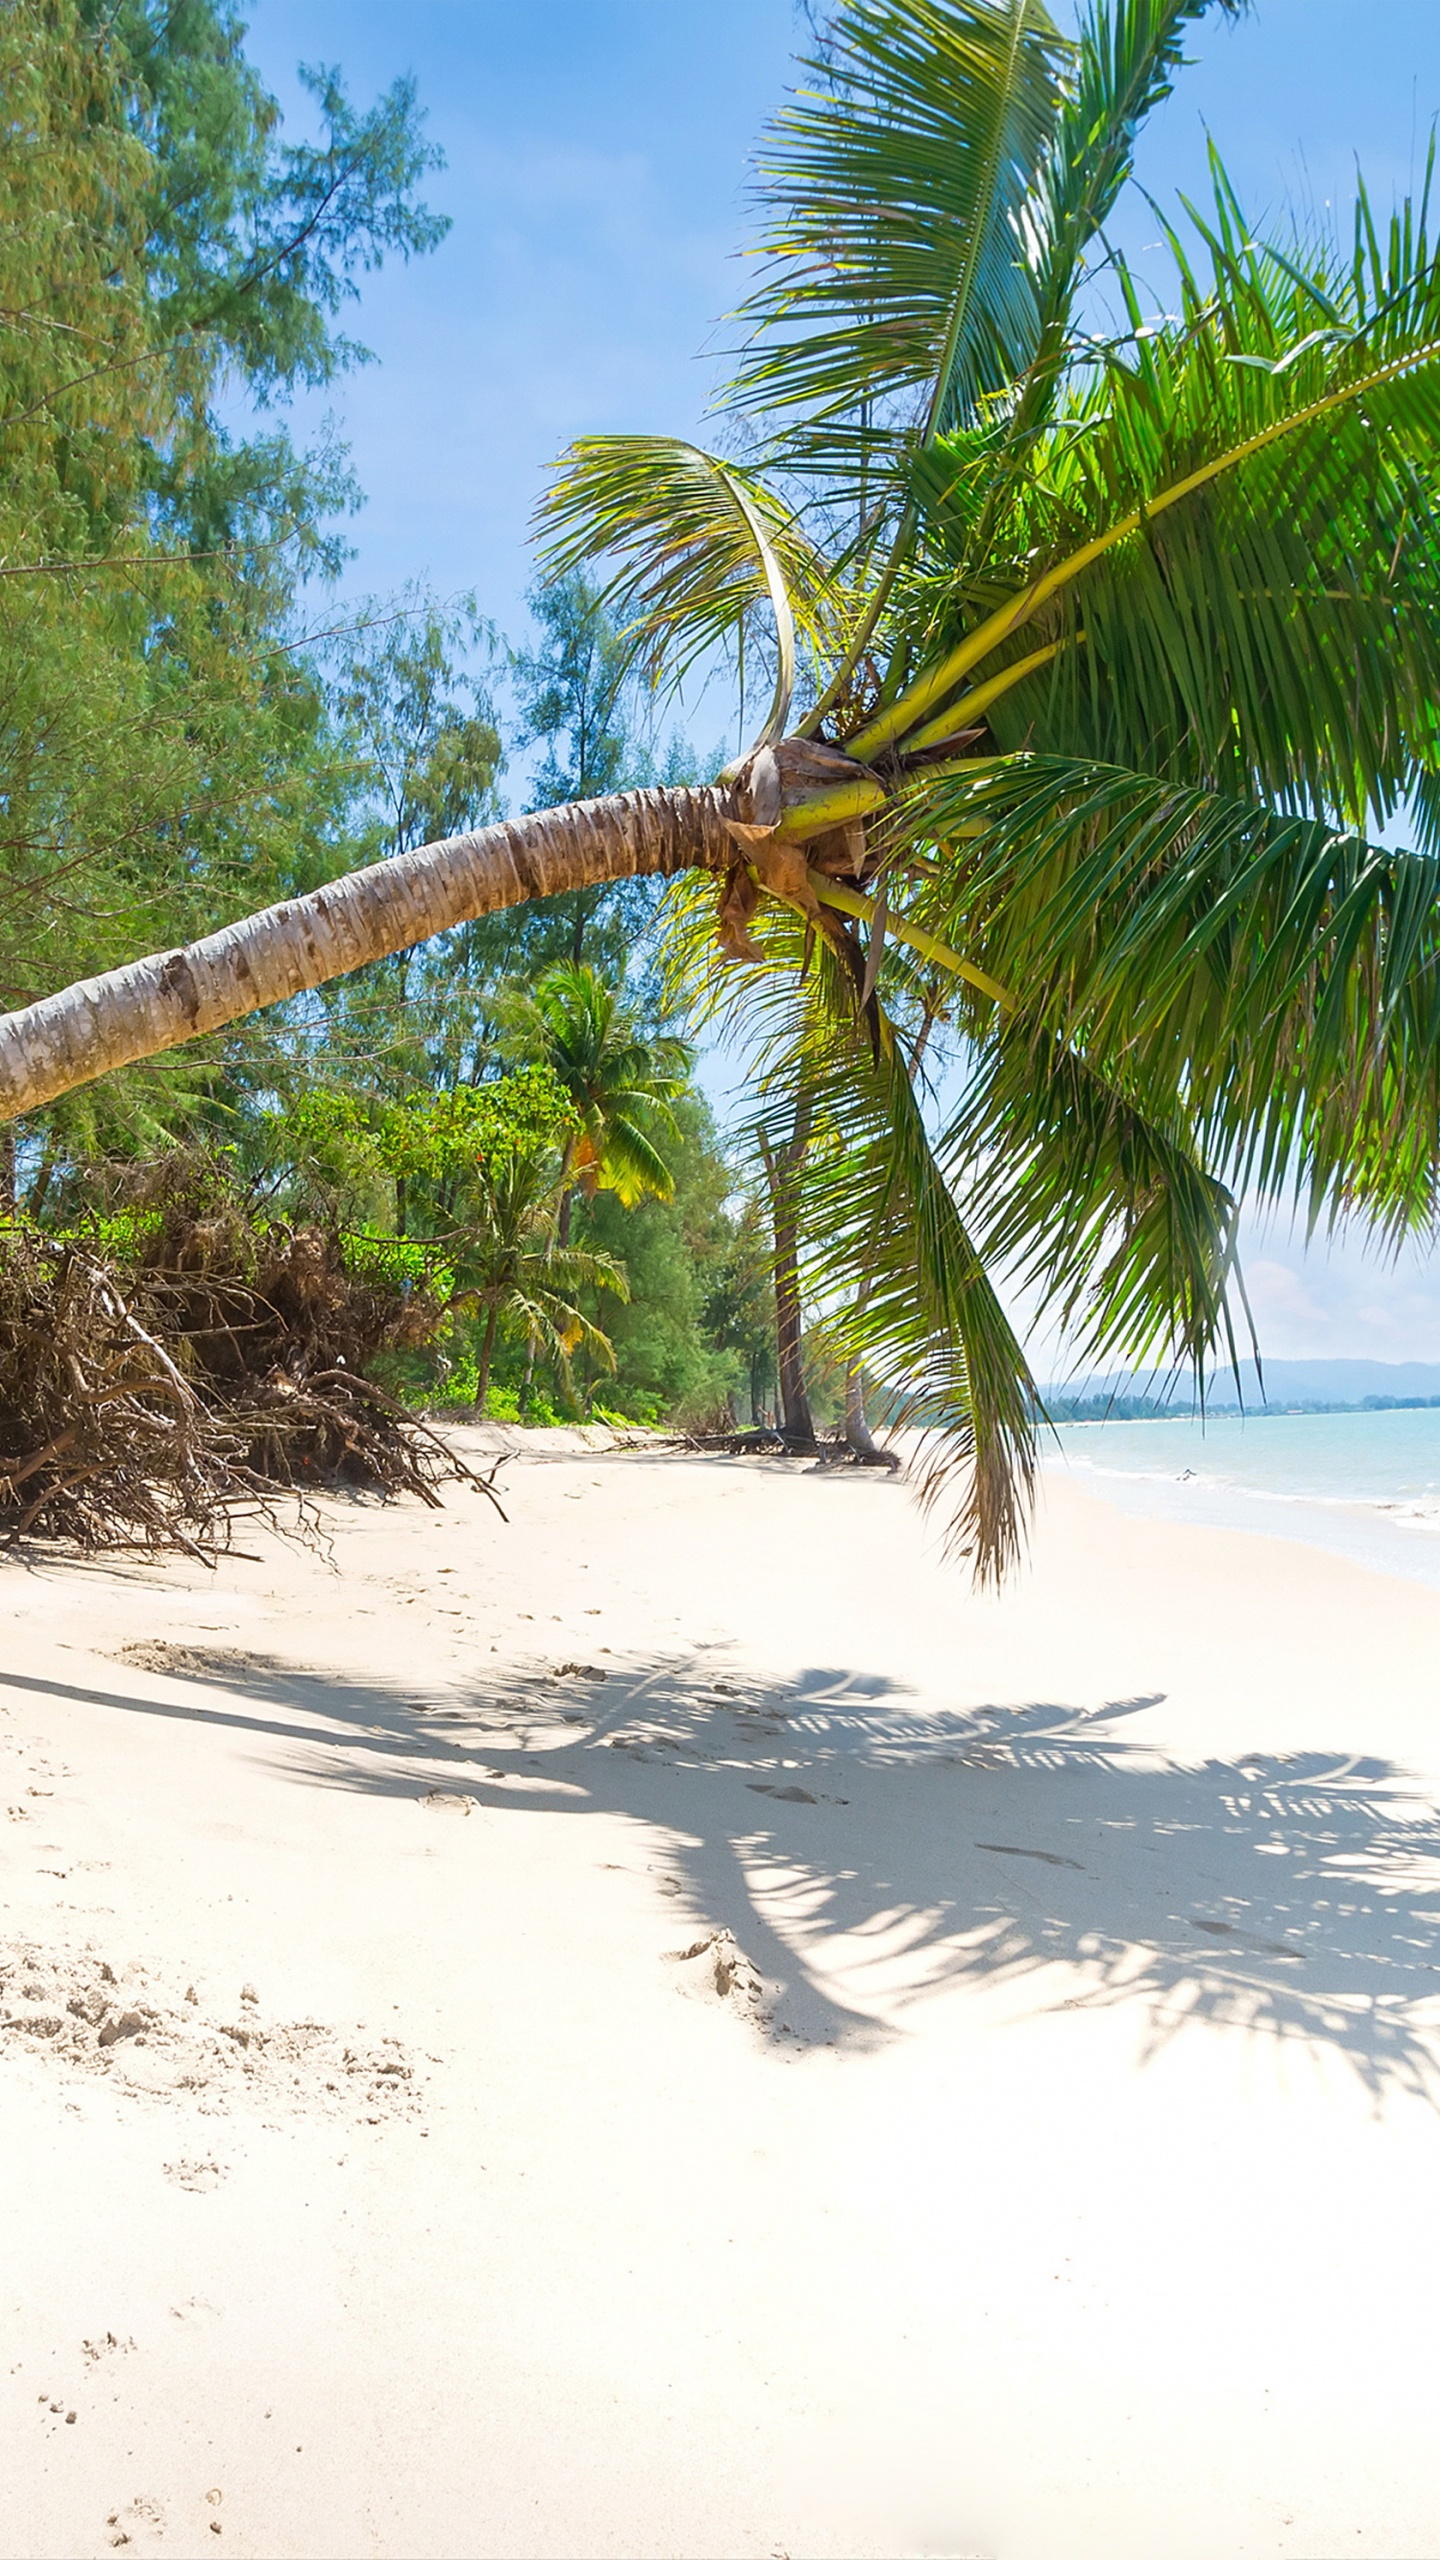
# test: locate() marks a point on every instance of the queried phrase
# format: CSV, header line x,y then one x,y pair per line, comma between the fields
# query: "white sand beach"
x,y
879,2071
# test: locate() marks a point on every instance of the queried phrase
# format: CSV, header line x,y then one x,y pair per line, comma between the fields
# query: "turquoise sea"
x,y
1364,1484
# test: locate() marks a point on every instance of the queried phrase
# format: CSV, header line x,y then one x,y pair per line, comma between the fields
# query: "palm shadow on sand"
x,y
841,1829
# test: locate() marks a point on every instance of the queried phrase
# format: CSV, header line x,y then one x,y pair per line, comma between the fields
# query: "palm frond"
x,y
699,544
888,1264
897,291
1123,67
1263,428
630,1164
1100,1206
544,1318
1271,978
563,1269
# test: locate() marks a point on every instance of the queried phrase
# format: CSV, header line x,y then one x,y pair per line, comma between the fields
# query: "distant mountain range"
x,y
1285,1382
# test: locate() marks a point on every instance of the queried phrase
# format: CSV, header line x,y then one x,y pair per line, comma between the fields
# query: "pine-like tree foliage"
x,y
166,751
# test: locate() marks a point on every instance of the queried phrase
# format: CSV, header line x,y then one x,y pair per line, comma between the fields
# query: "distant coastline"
x,y
1073,1409
1253,1393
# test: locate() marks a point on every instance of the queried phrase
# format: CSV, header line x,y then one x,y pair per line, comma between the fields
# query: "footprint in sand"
x,y
722,1966
198,2177
157,1653
158,2042
141,2524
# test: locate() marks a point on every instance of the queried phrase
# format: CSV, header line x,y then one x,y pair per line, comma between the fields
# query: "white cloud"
x,y
1280,1300
1340,1298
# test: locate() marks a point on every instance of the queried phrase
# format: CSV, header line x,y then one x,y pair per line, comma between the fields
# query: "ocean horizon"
x,y
1365,1485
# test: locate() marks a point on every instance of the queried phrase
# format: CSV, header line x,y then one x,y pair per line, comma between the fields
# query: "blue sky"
x,y
596,183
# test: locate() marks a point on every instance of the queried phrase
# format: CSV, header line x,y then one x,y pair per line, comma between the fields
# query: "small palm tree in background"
x,y
517,1277
622,1087
1102,642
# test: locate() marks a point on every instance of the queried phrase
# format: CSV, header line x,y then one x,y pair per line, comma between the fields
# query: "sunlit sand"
x,y
671,2027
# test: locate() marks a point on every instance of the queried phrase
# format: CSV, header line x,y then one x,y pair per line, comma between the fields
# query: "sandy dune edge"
x,y
876,2071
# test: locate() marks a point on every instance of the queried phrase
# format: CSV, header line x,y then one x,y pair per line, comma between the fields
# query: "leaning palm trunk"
x,y
1109,618
860,1440
87,1030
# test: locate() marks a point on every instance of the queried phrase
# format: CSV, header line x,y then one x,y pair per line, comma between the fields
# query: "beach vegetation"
x,y
173,1358
621,1087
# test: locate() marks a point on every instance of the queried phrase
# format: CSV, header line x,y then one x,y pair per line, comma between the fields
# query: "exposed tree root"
x,y
148,1402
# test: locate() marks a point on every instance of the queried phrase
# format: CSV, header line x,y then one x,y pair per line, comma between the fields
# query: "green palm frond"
x,y
1274,979
1101,1207
901,1285
561,1270
889,1270
654,1070
631,1165
897,290
622,1087
541,1317
1122,68
1300,462
698,545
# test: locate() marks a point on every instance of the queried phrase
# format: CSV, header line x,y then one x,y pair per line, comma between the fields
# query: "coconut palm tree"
x,y
1100,655
512,1270
621,1085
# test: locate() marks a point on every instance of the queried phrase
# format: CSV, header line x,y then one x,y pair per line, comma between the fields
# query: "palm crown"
x,y
620,1085
1097,662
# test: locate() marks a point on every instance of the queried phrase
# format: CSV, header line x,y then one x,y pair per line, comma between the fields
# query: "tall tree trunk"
x,y
857,1422
39,1188
7,1173
859,1440
487,1354
782,1168
864,1448
87,1030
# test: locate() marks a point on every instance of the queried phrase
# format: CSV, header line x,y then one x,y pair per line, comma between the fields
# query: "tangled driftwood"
x,y
771,1440
145,1401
